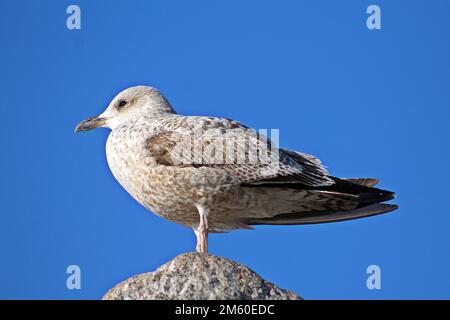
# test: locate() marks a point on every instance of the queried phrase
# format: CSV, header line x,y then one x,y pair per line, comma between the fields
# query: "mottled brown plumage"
x,y
215,174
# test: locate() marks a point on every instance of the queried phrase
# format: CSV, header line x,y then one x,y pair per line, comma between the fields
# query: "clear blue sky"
x,y
368,103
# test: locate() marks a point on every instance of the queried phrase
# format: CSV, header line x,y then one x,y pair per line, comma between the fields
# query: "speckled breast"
x,y
169,191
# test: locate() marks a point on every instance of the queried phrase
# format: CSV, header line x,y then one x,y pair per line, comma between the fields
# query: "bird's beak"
x,y
90,123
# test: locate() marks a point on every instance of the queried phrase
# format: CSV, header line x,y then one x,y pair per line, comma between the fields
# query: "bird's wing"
x,y
324,216
227,145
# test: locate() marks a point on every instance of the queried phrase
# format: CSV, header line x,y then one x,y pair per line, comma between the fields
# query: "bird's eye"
x,y
122,103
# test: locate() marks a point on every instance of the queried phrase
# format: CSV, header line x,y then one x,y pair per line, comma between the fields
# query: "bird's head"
x,y
128,105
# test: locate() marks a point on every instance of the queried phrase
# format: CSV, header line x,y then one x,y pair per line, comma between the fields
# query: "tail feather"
x,y
314,217
360,190
368,182
367,195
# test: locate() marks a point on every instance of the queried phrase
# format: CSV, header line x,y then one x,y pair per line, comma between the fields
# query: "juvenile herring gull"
x,y
210,174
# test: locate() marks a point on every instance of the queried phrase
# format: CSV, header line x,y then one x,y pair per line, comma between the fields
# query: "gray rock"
x,y
199,276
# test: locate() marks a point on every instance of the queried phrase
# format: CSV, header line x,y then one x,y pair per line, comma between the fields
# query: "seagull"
x,y
215,174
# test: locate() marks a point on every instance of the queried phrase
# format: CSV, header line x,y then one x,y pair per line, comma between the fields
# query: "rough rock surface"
x,y
199,276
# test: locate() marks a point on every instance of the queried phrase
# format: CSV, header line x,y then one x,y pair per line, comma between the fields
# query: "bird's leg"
x,y
198,246
202,231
